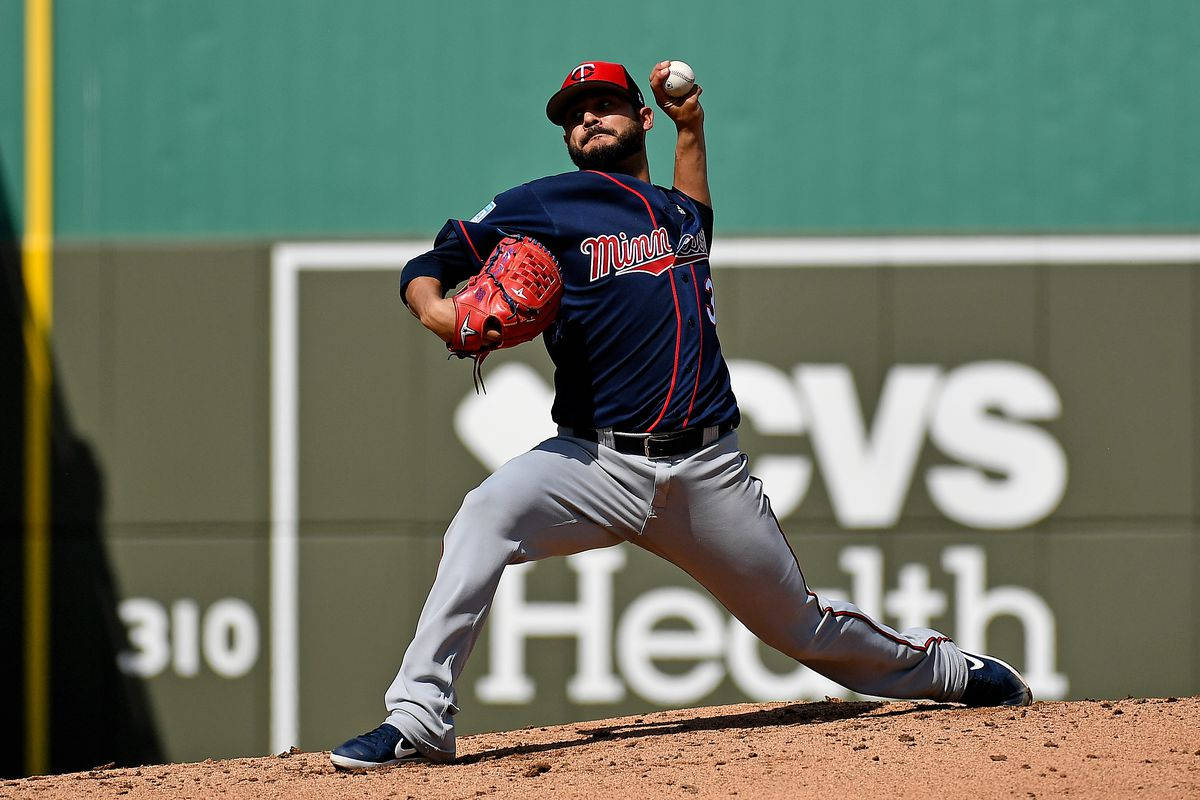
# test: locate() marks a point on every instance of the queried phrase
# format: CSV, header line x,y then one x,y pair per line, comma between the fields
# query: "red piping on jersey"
x,y
650,211
700,355
870,622
674,296
467,236
675,370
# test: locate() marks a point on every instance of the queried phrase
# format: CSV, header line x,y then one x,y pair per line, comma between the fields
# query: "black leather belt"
x,y
656,445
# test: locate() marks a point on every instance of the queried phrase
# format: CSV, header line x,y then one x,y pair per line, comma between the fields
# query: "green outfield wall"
x,y
12,95
273,117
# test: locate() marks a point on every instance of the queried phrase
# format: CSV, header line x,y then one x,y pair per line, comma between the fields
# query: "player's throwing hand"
x,y
684,111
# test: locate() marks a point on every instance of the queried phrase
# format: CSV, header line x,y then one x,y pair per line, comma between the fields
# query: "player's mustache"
x,y
596,132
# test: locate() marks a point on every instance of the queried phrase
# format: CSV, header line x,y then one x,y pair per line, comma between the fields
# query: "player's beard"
x,y
610,155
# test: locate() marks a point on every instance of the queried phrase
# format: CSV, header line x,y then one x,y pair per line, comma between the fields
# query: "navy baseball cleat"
x,y
991,682
381,747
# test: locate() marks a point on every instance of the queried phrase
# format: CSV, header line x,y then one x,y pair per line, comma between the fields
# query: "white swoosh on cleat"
x,y
973,663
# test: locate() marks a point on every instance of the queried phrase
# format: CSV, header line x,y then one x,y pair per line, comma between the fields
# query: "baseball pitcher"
x,y
612,271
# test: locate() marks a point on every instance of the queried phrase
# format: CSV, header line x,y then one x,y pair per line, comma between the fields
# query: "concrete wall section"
x,y
1005,453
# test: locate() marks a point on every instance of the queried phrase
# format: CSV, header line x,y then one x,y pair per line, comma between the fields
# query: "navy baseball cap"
x,y
588,77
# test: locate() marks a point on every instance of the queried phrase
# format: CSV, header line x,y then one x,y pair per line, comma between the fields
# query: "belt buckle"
x,y
657,448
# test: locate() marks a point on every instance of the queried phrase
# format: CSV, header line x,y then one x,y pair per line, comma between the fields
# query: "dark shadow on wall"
x,y
12,413
97,713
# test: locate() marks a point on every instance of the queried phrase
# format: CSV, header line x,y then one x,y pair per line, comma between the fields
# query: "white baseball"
x,y
681,79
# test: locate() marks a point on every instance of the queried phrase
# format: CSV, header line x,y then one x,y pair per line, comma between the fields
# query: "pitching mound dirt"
x,y
1150,748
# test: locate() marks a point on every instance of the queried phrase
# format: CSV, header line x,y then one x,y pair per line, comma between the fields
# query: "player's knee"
x,y
793,641
796,634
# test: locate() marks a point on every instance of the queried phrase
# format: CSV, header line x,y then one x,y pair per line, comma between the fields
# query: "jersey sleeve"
x,y
463,245
704,212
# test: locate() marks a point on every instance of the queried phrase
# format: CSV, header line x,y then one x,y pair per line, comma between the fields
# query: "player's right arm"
x,y
425,299
426,278
459,251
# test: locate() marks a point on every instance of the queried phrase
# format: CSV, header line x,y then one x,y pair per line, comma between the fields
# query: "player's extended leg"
x,y
555,500
718,527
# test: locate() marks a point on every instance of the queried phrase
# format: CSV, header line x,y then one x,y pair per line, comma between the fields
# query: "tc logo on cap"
x,y
582,72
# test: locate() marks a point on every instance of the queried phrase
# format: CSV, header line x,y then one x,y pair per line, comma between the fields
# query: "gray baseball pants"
x,y
705,513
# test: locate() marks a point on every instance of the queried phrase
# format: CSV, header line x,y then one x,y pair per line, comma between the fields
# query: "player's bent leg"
x,y
547,502
720,529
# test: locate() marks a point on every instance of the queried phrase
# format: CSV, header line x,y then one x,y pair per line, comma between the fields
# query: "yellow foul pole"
x,y
36,262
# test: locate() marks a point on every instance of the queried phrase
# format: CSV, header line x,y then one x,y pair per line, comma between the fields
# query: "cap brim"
x,y
556,108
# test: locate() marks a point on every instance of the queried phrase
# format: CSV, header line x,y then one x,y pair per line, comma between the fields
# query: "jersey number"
x,y
711,305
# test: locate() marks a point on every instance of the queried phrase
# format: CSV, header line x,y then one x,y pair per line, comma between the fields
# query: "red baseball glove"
x,y
517,294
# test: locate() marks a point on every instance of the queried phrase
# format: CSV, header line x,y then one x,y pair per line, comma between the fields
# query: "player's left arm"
x,y
691,158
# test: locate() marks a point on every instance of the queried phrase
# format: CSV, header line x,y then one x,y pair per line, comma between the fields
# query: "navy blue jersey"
x,y
635,343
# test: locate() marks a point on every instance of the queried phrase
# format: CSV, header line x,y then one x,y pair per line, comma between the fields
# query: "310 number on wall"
x,y
225,636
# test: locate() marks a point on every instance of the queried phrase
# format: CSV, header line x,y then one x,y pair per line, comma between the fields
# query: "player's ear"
x,y
647,115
